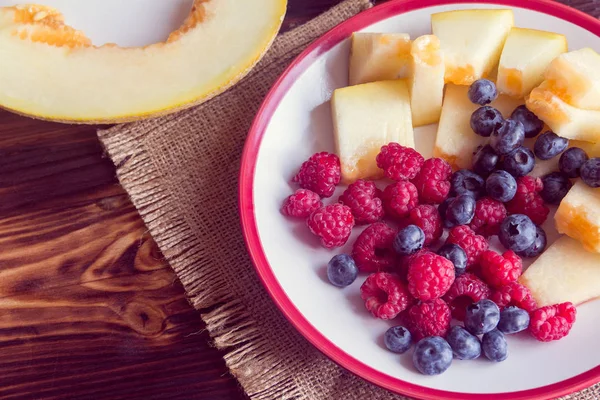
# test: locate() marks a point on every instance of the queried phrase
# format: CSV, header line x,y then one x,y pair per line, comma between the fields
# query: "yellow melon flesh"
x,y
525,57
564,272
564,119
52,71
427,80
366,117
578,216
379,57
471,41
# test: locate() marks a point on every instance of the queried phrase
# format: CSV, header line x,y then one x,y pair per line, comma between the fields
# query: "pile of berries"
x,y
422,283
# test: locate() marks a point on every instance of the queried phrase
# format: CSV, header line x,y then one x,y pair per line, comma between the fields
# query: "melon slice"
x,y
366,117
427,80
575,78
525,57
455,141
564,272
578,216
379,57
472,41
51,71
564,119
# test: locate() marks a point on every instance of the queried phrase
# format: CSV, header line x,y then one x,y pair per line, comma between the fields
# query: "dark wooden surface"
x,y
88,309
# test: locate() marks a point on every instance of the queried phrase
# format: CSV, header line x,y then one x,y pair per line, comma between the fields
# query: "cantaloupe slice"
x,y
379,57
526,55
427,80
578,216
51,71
564,119
575,78
472,41
366,117
564,272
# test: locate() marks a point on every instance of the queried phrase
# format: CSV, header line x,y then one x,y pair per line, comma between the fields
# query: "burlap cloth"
x,y
181,173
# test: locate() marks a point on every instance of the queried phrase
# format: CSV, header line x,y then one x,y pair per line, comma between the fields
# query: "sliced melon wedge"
x,y
51,71
427,80
564,119
526,55
578,216
575,78
366,117
472,41
564,272
379,57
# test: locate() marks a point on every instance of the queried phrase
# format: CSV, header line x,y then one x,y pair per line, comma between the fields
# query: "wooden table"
x,y
88,308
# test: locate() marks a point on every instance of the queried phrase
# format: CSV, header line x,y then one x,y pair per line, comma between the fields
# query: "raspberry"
x,y
433,181
428,318
466,290
385,295
332,223
364,199
514,294
489,214
428,219
528,201
399,163
471,243
301,204
500,270
372,250
320,173
429,276
399,198
552,322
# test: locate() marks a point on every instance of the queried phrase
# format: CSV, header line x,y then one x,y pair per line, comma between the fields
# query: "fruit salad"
x,y
516,137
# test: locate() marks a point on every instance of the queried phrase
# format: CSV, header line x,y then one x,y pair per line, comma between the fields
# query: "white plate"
x,y
293,123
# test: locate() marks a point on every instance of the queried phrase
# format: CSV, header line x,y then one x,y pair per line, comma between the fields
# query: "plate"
x,y
293,123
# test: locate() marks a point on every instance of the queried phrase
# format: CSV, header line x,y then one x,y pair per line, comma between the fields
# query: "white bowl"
x,y
293,123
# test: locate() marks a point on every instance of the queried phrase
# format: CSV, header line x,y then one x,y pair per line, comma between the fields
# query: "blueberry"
x,y
494,346
485,160
457,255
461,210
571,161
442,210
501,186
519,162
467,182
513,320
532,124
409,240
482,317
590,172
538,246
482,92
517,232
464,345
486,120
508,137
432,356
548,145
397,339
556,186
342,270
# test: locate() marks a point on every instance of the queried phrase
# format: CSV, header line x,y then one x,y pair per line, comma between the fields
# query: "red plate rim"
x,y
250,229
